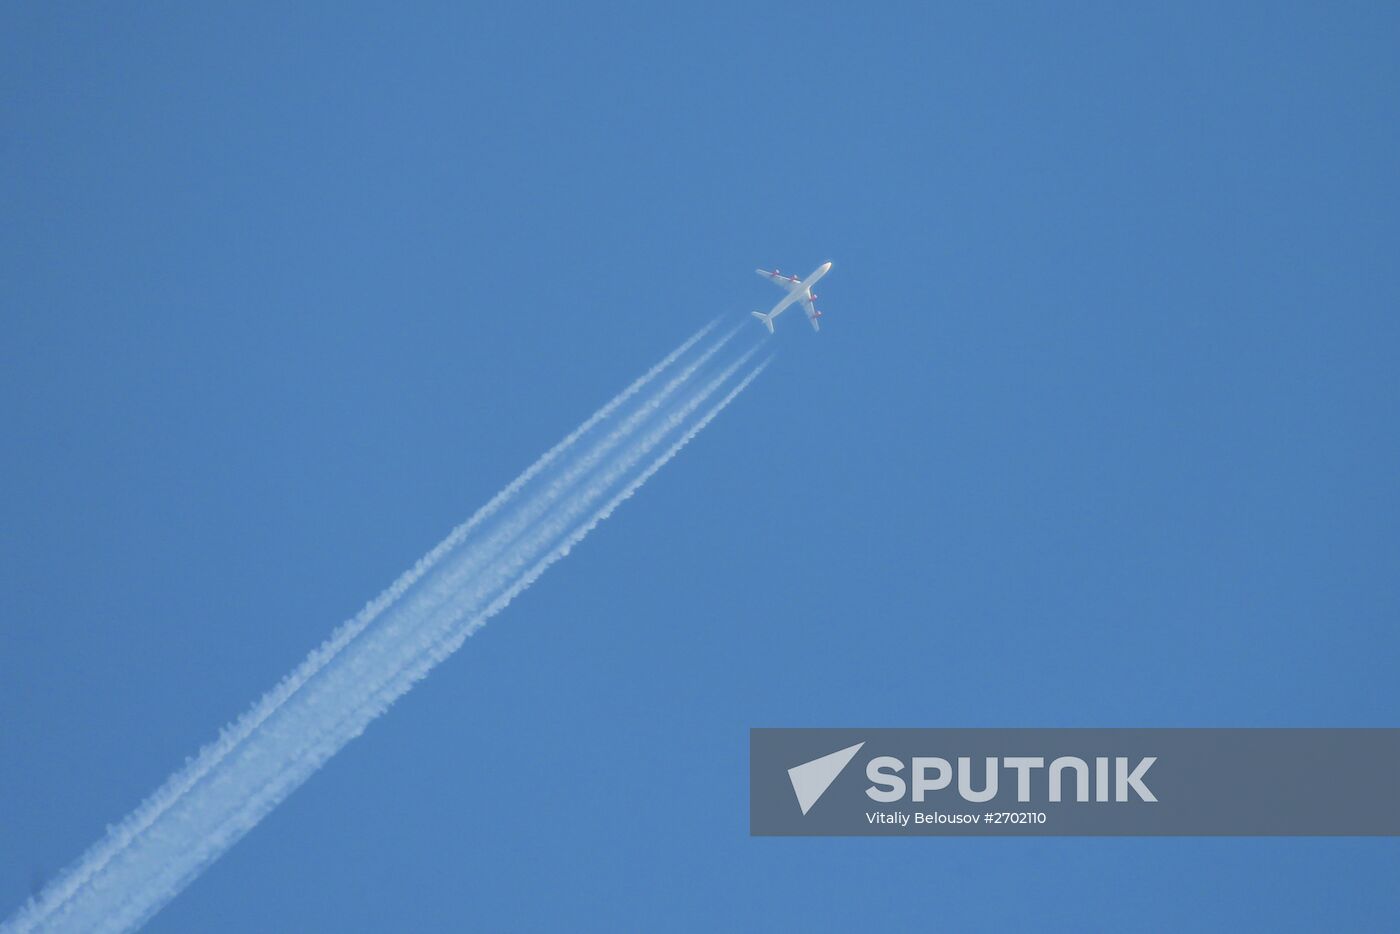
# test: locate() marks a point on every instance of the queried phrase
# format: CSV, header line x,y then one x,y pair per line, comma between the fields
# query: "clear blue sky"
x,y
1101,430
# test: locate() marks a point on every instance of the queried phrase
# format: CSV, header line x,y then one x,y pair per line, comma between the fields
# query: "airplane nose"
x,y
826,267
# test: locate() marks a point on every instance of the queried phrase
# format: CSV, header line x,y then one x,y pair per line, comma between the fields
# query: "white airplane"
x,y
797,292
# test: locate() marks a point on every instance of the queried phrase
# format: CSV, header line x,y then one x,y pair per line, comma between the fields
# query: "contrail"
x,y
353,677
235,733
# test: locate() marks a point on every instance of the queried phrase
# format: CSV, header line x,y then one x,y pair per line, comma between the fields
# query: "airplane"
x,y
797,292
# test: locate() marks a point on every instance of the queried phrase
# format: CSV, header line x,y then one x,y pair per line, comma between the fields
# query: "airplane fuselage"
x,y
801,291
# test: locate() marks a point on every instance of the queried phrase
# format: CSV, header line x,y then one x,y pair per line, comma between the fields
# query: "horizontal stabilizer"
x,y
766,319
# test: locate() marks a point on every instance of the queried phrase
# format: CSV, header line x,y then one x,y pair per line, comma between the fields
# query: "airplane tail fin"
x,y
766,319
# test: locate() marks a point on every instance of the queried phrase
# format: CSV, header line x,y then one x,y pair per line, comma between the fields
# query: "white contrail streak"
x,y
353,677
233,734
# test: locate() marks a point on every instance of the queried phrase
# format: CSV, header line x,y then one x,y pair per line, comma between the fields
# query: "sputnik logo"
x,y
810,780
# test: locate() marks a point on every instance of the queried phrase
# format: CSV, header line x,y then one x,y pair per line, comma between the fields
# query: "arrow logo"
x,y
810,780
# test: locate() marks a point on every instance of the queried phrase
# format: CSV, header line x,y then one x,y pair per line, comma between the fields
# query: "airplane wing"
x,y
787,283
813,315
